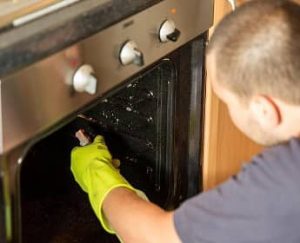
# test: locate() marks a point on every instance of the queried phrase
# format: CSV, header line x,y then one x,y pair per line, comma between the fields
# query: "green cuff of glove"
x,y
100,213
100,179
97,207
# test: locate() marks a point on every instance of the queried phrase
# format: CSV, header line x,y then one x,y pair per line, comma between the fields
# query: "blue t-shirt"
x,y
260,204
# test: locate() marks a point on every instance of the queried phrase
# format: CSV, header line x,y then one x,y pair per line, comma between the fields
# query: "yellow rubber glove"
x,y
93,170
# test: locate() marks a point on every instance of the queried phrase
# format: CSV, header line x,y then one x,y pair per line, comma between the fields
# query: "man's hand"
x,y
93,170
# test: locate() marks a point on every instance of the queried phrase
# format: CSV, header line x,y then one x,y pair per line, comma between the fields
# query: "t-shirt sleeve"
x,y
260,204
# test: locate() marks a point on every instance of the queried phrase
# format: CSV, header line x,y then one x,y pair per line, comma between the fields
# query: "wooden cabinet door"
x,y
225,147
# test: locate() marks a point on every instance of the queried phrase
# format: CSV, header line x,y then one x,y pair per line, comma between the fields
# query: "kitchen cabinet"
x,y
225,147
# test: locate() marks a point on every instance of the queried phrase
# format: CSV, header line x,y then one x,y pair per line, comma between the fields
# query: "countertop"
x,y
24,45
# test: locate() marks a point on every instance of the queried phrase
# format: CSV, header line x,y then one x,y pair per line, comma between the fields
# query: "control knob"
x,y
84,80
130,54
168,31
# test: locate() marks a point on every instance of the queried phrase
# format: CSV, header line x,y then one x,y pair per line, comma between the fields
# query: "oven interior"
x,y
152,123
136,120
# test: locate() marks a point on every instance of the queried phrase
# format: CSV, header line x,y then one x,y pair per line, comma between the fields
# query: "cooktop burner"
x,y
17,12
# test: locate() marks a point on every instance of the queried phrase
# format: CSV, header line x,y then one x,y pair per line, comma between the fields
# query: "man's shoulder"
x,y
264,195
277,168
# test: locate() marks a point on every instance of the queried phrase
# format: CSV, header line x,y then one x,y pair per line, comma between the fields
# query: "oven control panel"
x,y
43,94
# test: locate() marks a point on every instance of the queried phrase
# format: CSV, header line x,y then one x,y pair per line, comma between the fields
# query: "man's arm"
x,y
119,207
136,220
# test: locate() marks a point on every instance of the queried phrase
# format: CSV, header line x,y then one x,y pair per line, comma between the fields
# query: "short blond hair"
x,y
257,50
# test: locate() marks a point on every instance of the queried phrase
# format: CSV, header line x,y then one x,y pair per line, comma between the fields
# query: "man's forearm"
x,y
136,220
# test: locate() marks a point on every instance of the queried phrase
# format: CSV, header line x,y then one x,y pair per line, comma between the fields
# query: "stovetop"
x,y
13,6
23,44
26,10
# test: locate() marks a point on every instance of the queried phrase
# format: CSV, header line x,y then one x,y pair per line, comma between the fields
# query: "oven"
x,y
138,81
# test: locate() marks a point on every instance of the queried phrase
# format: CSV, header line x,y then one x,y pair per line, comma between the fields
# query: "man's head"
x,y
254,65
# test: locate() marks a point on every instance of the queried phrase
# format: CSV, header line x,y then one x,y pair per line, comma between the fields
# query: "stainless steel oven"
x,y
139,82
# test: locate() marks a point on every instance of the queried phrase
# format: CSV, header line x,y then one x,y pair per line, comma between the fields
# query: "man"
x,y
254,63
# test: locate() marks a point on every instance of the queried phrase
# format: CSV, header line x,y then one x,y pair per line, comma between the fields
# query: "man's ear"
x,y
266,111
